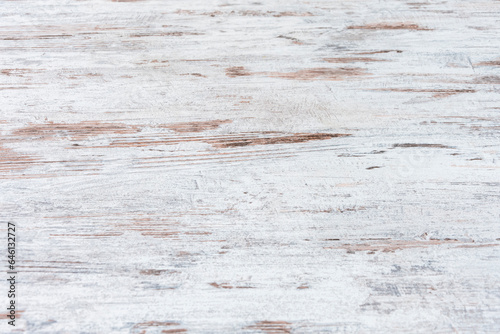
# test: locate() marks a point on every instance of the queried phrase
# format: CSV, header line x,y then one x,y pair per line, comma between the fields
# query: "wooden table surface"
x,y
302,166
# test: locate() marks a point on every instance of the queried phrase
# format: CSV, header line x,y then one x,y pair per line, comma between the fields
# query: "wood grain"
x,y
252,166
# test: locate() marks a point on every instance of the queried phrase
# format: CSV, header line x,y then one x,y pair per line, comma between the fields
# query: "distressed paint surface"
x,y
252,167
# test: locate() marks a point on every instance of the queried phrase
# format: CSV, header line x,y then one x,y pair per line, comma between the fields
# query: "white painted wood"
x,y
252,166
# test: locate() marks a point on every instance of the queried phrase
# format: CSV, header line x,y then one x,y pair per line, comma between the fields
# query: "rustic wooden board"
x,y
252,166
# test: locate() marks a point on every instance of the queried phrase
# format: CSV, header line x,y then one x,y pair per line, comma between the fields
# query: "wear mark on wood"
x,y
10,160
198,126
318,73
272,327
19,314
438,93
377,52
353,60
75,131
89,235
290,139
237,71
228,286
244,13
488,63
157,272
229,140
394,245
168,33
150,327
389,26
293,39
18,72
409,145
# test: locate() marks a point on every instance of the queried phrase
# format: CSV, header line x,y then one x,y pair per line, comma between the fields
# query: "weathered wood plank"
x,y
252,167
